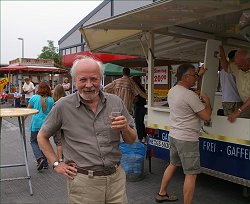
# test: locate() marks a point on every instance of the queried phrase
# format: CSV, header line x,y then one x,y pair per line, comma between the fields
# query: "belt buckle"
x,y
90,174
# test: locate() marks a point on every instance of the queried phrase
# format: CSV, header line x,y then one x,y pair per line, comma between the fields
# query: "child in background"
x,y
17,98
66,86
57,94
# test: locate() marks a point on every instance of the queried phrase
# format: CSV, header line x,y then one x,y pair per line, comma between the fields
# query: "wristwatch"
x,y
56,163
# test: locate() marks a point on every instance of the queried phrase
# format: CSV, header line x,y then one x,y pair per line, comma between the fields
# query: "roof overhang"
x,y
103,57
32,69
180,29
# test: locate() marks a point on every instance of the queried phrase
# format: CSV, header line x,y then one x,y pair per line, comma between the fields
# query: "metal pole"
x,y
22,46
151,70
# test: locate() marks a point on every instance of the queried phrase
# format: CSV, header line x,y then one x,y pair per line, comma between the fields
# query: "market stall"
x,y
39,68
186,31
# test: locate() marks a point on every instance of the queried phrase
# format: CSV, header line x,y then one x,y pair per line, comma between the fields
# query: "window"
x,y
73,50
67,51
79,48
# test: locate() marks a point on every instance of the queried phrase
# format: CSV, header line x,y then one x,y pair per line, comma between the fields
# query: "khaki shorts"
x,y
98,189
185,154
230,107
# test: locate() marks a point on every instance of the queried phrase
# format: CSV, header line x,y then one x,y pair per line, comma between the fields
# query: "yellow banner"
x,y
3,82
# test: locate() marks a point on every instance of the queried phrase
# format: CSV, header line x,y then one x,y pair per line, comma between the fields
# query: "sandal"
x,y
165,198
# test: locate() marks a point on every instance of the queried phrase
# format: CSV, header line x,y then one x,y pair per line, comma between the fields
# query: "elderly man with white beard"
x,y
90,138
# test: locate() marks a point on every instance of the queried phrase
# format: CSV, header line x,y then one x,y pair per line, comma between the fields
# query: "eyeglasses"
x,y
194,75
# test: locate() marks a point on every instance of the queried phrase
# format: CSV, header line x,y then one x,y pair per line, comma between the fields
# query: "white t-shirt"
x,y
66,87
28,87
183,105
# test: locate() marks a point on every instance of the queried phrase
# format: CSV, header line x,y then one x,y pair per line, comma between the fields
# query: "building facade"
x,y
73,42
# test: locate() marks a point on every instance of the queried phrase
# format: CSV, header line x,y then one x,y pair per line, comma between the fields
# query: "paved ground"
x,y
50,187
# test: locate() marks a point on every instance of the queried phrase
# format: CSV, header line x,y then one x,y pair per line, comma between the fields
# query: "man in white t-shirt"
x,y
186,110
28,89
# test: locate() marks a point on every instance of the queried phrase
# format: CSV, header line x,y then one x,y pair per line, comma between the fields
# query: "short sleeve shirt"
x,y
87,137
28,87
66,86
242,81
126,89
183,105
17,94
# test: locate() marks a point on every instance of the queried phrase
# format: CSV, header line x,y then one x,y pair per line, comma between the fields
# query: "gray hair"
x,y
182,70
83,58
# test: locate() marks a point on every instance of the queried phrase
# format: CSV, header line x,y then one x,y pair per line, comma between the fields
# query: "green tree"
x,y
51,52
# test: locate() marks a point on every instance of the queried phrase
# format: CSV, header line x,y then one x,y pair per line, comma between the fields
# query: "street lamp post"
x,y
22,46
19,76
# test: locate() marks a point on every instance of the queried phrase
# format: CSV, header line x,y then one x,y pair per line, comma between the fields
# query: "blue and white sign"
x,y
225,157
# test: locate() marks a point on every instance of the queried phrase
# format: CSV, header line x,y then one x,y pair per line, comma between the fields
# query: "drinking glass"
x,y
115,112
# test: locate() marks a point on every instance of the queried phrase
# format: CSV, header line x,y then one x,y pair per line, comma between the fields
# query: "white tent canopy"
x,y
177,25
172,30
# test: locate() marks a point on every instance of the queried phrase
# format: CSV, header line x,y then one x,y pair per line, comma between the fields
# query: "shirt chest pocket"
x,y
105,131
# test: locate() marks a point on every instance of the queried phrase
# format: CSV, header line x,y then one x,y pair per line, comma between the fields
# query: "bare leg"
x,y
189,187
59,151
167,176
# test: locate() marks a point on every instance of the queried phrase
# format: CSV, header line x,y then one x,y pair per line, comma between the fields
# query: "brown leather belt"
x,y
105,172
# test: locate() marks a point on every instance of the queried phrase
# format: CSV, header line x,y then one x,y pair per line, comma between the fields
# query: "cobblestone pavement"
x,y
50,187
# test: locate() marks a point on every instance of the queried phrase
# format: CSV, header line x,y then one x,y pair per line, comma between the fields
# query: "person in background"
x,y
242,75
186,110
140,112
231,100
90,137
6,90
17,98
28,90
57,94
37,84
126,89
36,87
43,102
66,86
3,97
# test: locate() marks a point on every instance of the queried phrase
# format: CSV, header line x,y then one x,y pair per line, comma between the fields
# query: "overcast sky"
x,y
36,22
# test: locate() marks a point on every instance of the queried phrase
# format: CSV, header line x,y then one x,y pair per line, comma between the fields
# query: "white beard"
x,y
89,97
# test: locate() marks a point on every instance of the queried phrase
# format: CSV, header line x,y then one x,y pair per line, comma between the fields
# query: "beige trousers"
x,y
98,189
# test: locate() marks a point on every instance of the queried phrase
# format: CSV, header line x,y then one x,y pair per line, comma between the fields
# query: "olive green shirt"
x,y
87,137
242,81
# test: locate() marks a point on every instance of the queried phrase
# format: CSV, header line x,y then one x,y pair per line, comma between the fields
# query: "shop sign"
x,y
31,61
160,75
